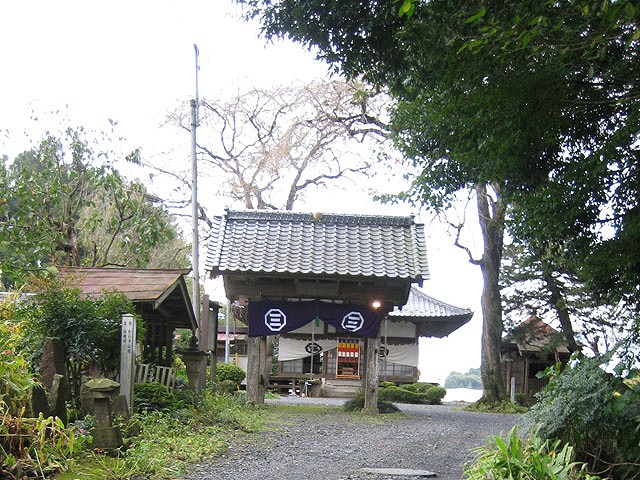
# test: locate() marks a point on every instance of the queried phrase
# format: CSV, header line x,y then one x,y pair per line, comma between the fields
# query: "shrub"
x,y
152,397
33,446
413,393
418,387
435,395
523,459
228,386
227,371
16,379
598,413
356,404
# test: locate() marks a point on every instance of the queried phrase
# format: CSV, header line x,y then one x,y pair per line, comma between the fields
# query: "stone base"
x,y
106,437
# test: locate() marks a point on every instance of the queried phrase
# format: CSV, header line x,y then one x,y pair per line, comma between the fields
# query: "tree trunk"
x,y
491,214
557,300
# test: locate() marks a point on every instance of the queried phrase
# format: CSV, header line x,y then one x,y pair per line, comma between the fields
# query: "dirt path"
x,y
330,444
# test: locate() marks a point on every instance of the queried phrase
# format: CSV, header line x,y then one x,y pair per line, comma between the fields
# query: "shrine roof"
x,y
283,242
163,290
432,317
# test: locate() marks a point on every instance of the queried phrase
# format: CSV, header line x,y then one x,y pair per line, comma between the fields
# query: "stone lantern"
x,y
195,361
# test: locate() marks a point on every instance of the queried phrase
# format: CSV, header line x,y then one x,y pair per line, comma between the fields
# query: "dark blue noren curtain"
x,y
273,318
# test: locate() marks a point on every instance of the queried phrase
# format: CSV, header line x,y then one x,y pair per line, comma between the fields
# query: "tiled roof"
x,y
433,318
318,244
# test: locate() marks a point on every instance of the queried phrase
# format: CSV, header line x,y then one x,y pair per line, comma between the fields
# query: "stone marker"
x,y
57,398
51,362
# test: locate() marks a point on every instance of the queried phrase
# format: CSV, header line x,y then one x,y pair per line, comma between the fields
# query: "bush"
x,y
598,413
227,371
524,459
435,395
413,393
16,378
356,404
401,394
228,386
418,387
152,397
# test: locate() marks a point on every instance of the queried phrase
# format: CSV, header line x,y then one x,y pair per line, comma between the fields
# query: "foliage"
x,y
356,404
412,393
36,445
471,379
504,406
435,395
523,459
165,443
89,328
69,206
16,378
596,412
152,397
228,386
228,371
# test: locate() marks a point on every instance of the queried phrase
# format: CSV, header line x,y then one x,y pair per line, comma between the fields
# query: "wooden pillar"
x,y
255,392
372,345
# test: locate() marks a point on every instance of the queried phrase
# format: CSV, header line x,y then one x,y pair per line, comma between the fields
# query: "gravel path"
x,y
333,445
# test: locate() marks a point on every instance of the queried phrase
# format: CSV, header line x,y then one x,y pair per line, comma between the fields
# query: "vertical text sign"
x,y
127,358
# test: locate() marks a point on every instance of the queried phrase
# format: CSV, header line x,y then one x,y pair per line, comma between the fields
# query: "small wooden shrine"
x,y
160,297
528,349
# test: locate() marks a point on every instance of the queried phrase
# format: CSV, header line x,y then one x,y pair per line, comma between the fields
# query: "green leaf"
x,y
477,16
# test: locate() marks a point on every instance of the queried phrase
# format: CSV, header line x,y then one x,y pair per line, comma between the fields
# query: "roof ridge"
x,y
320,217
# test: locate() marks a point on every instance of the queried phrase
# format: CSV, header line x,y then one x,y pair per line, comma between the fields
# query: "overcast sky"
x,y
128,63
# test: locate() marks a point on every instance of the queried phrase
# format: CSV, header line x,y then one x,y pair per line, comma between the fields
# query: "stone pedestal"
x,y
195,362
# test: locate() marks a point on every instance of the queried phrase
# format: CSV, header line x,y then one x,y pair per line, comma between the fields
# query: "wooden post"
x,y
266,349
372,345
204,335
253,370
127,358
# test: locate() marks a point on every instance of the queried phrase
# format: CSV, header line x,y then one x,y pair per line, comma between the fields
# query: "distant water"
x,y
462,395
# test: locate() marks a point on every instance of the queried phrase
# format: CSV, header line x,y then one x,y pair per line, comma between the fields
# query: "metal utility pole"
x,y
194,204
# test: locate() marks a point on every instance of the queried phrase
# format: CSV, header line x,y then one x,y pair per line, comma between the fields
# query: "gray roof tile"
x,y
419,304
432,317
297,243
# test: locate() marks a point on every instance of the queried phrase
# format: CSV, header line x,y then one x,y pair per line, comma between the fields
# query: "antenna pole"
x,y
195,260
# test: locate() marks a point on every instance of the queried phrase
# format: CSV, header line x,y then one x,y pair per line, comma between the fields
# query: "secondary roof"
x,y
432,317
162,291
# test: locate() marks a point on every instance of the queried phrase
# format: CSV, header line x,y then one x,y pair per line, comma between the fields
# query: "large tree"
x,y
474,111
61,205
266,148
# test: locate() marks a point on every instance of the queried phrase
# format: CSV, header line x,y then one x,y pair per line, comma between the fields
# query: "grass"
x,y
505,406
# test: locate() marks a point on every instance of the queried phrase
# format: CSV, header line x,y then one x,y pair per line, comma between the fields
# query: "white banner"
x,y
293,349
401,354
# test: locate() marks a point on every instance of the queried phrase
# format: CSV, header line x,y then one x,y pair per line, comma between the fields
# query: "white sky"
x,y
133,61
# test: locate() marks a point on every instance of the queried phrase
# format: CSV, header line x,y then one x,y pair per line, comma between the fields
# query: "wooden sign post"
x,y
127,358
